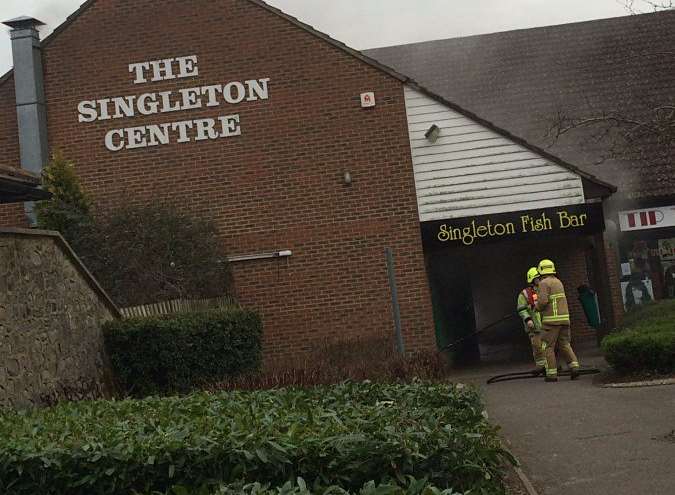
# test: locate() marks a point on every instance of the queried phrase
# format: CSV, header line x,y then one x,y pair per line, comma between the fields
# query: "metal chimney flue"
x,y
30,96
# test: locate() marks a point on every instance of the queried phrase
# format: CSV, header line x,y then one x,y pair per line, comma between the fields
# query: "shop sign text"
x,y
580,219
184,99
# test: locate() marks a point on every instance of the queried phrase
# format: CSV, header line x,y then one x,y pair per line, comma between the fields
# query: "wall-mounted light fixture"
x,y
432,133
347,178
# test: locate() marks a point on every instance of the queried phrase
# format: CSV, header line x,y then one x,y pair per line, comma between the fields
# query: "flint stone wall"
x,y
51,311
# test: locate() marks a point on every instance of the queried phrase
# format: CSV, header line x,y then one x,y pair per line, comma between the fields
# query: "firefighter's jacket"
x,y
525,306
552,302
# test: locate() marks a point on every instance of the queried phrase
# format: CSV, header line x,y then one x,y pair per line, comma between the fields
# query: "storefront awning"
x,y
18,185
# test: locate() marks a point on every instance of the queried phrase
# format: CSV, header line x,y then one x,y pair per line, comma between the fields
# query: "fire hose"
x,y
520,375
523,375
487,327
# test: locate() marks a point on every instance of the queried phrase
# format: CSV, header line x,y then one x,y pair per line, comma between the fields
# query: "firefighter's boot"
x,y
541,371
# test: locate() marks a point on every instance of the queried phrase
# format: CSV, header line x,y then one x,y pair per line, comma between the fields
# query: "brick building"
x,y
619,68
312,159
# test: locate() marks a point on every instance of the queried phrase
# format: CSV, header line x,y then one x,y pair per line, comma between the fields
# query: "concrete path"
x,y
575,438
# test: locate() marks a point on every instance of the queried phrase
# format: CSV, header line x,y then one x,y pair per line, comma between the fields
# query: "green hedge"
x,y
641,351
411,486
176,354
646,343
345,436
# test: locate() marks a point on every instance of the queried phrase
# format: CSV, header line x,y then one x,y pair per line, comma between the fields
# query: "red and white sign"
x,y
652,218
367,100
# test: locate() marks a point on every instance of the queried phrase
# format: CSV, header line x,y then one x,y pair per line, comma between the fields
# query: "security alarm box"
x,y
367,100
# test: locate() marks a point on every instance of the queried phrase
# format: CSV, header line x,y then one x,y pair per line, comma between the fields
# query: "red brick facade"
x,y
10,215
278,185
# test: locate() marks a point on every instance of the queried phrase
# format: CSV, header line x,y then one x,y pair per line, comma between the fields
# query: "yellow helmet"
x,y
546,267
532,273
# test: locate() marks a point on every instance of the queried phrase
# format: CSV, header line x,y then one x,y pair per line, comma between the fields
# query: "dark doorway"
x,y
476,289
452,297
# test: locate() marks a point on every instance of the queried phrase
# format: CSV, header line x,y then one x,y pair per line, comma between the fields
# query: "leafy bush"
x,y
140,254
354,359
641,350
411,487
184,351
68,211
345,436
147,254
646,344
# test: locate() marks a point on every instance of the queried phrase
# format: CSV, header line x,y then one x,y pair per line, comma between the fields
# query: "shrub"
x,y
68,211
642,350
646,343
139,254
337,360
411,486
392,369
345,435
148,254
184,351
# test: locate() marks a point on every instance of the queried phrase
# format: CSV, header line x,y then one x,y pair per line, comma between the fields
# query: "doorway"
x,y
475,289
452,299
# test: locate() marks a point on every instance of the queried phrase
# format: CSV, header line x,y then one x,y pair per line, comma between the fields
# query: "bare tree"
x,y
635,125
637,6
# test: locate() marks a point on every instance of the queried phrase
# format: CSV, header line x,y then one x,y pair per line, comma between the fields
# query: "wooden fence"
x,y
177,306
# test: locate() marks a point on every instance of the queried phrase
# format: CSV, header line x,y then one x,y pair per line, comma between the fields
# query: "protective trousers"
x,y
537,349
557,335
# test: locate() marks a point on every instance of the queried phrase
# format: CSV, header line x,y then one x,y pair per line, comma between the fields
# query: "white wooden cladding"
x,y
471,170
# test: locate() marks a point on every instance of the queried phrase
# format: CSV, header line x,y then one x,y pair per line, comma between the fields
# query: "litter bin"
x,y
589,301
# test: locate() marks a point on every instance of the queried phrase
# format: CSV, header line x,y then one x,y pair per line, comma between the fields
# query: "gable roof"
x,y
594,186
260,3
520,79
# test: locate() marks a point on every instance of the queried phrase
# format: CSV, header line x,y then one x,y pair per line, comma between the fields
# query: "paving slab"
x,y
577,438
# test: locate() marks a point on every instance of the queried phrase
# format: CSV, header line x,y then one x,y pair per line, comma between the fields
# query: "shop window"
x,y
648,270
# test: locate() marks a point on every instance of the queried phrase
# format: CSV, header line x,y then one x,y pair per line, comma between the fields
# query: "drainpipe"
x,y
30,96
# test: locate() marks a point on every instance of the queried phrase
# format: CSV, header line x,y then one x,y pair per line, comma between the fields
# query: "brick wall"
x,y
279,185
614,282
10,215
9,131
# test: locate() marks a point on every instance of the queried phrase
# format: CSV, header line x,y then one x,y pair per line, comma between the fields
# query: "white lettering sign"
x,y
152,103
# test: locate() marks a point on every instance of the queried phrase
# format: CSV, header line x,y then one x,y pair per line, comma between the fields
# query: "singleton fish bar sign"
x,y
191,98
470,231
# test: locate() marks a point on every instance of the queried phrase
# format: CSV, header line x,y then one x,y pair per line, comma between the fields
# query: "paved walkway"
x,y
575,438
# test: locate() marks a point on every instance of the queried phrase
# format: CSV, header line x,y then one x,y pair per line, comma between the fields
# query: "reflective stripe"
x,y
556,316
565,318
574,364
552,372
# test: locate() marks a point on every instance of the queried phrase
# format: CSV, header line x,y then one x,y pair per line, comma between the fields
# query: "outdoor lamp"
x,y
432,133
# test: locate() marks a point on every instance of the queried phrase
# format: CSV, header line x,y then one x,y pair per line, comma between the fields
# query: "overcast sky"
x,y
373,23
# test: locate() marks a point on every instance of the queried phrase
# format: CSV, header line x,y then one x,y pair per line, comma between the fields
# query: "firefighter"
x,y
555,319
527,299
